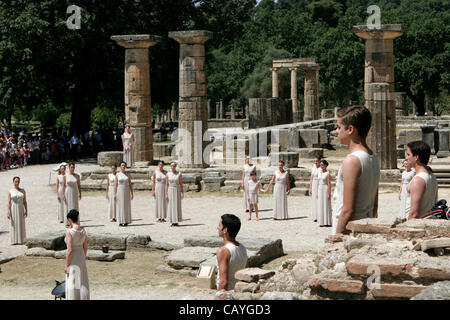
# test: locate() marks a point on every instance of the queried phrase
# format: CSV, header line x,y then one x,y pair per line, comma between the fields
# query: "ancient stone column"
x,y
138,111
173,114
443,143
246,111
210,111
193,104
233,113
400,104
294,95
428,136
379,68
382,135
221,110
311,92
217,110
274,82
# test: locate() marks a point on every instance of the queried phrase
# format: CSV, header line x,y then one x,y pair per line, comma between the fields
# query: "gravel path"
x,y
201,214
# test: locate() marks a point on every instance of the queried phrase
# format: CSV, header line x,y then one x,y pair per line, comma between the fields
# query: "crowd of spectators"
x,y
19,149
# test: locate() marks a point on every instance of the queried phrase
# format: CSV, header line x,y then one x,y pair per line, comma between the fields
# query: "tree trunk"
x,y
419,101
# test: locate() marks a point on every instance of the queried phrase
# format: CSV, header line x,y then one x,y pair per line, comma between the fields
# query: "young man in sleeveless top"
x,y
356,193
232,257
423,188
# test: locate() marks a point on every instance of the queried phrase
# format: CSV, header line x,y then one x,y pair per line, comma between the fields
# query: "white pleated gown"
x,y
128,152
247,170
123,204
18,235
314,188
72,193
160,195
404,203
280,208
112,203
174,194
60,204
77,282
323,204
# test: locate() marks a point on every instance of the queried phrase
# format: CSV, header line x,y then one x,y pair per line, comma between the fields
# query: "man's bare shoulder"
x,y
222,252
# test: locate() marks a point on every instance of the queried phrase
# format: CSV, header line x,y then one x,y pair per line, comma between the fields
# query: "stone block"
x,y
371,225
435,268
408,135
164,246
162,269
115,242
108,158
392,290
6,259
437,291
336,285
192,178
390,267
290,159
435,243
48,240
408,233
229,189
309,138
163,150
40,252
138,242
253,274
241,286
356,243
213,184
189,257
98,255
309,153
274,295
434,227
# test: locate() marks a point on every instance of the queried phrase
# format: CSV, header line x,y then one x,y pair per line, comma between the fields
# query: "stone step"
x,y
336,285
96,255
371,225
389,267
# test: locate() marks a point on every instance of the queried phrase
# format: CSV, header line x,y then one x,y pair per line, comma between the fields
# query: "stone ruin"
x,y
381,259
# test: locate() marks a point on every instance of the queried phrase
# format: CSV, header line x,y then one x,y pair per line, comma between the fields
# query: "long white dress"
x,y
72,193
404,203
253,191
112,203
314,188
18,234
280,208
323,204
61,205
174,193
128,147
160,195
77,282
123,198
247,170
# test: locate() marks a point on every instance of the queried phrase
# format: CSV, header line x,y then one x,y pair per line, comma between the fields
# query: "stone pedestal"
x,y
379,68
193,109
382,135
443,143
400,104
428,136
138,112
311,94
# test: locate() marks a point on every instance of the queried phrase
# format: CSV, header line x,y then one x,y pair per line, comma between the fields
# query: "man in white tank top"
x,y
423,188
356,194
232,257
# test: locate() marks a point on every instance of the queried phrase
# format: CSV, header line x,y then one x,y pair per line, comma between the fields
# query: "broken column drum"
x,y
193,103
138,112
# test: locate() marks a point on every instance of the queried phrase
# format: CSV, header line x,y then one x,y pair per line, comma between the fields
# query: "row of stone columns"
x,y
193,112
311,91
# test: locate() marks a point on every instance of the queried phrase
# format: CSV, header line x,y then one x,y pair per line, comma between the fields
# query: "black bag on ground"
x,y
440,210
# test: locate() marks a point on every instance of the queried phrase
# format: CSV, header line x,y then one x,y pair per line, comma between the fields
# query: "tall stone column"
x,y
173,114
443,143
138,110
311,111
379,68
193,104
274,82
294,95
382,135
221,110
217,110
400,104
232,113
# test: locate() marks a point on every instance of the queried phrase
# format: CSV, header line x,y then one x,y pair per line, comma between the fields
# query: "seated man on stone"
x,y
423,188
232,257
356,194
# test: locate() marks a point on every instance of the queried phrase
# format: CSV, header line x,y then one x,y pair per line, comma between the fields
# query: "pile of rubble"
x,y
381,259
